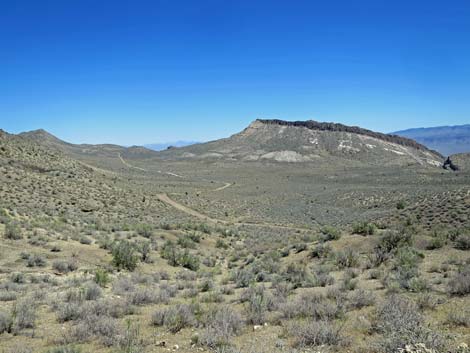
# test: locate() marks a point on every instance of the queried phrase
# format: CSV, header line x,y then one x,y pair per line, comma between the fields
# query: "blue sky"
x,y
135,72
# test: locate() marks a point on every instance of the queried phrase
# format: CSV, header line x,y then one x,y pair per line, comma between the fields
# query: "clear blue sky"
x,y
134,72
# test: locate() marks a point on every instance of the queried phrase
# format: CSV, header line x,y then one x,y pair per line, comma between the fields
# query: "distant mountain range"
x,y
447,140
166,145
266,141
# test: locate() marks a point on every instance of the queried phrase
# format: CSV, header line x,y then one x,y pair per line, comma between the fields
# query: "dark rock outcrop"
x,y
448,164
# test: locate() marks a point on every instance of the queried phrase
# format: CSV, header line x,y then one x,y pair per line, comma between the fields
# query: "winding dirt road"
x,y
169,201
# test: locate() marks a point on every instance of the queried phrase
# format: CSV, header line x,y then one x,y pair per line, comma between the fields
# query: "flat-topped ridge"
x,y
336,127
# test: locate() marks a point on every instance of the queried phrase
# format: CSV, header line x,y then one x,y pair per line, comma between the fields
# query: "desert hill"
x,y
86,151
310,141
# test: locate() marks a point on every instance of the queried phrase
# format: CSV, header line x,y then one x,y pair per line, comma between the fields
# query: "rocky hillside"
x,y
447,140
310,141
42,182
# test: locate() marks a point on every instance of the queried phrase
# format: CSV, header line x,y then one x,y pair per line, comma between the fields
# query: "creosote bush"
x,y
124,256
13,231
364,228
330,233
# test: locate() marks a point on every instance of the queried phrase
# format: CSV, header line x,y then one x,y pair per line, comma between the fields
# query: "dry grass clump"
x,y
399,322
175,317
459,284
220,325
316,333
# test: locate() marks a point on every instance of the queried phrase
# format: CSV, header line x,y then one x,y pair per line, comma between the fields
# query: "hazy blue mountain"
x,y
165,145
447,140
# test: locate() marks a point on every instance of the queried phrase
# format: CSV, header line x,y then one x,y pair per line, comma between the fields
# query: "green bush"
x,y
186,242
124,256
13,232
189,261
145,230
401,205
462,242
346,258
364,228
330,233
175,257
101,277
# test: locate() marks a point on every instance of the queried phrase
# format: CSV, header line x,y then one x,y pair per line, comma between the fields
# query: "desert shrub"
x,y
220,244
13,231
186,242
206,285
299,247
64,266
361,298
297,274
346,258
426,301
7,295
68,311
131,340
322,278
330,233
189,261
64,349
400,323
389,243
115,308
364,228
175,318
124,256
18,277
105,329
144,248
209,261
316,333
92,291
85,240
36,260
405,268
243,277
401,205
214,296
5,322
143,296
19,347
219,326
321,251
462,242
436,243
101,277
257,302
175,257
459,316
24,314
459,284
349,281
281,290
144,230
312,305
195,237
123,285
